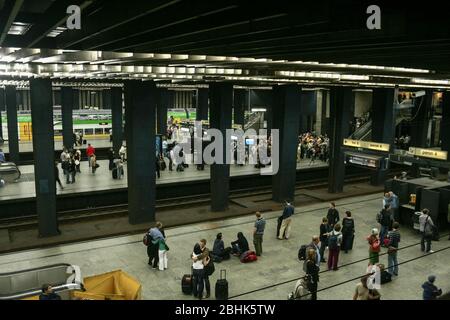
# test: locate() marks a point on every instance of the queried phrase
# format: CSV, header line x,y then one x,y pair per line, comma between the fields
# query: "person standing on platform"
x,y
385,220
334,245
394,239
315,245
123,153
156,233
387,199
348,232
111,158
312,273
57,180
430,291
94,163
77,158
395,204
198,272
71,167
157,166
332,215
426,226
325,230
90,152
286,221
374,247
65,157
258,233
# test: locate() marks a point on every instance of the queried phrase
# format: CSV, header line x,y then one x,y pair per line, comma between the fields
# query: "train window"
x,y
88,131
98,130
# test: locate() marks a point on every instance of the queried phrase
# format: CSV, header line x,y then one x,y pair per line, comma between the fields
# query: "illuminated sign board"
x,y
367,145
429,153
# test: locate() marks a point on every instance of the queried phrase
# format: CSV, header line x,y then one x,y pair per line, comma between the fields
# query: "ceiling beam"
x,y
7,17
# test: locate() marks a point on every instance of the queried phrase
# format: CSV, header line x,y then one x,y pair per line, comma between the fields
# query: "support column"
x,y
202,104
221,101
116,115
319,105
445,123
419,129
140,99
44,150
13,132
239,107
2,108
67,116
161,110
106,99
286,114
341,99
383,125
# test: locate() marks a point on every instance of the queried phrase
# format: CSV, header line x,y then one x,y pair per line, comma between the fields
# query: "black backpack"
x,y
302,252
333,241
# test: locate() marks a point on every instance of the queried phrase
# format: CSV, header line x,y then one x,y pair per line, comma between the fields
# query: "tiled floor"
x,y
102,180
278,264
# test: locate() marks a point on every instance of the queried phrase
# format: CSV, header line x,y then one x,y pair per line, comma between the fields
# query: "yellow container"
x,y
412,198
114,285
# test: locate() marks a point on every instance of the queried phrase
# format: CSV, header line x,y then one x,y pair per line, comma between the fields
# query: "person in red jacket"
x,y
90,151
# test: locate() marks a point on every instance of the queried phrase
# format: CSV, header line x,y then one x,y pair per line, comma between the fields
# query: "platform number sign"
x,y
74,19
374,20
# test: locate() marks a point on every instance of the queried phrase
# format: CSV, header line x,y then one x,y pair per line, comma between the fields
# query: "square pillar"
x,y
445,123
115,103
341,100
202,104
161,110
13,131
221,101
140,106
106,98
44,161
286,114
420,124
383,124
67,116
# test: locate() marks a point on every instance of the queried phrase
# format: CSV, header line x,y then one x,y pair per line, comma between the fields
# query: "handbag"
x,y
210,267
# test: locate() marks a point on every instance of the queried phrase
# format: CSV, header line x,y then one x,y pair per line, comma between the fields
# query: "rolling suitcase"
x,y
222,287
186,284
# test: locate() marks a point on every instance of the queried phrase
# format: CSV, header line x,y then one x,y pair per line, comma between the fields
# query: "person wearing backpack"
x,y
385,220
348,232
332,215
155,234
374,247
426,229
334,244
325,229
394,239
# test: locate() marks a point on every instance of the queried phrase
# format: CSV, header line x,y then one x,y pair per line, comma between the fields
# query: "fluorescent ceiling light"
x,y
259,109
429,81
56,32
19,28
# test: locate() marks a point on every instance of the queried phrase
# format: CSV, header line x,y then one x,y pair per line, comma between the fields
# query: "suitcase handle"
x,y
225,272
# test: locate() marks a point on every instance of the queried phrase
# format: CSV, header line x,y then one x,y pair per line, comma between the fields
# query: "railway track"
x,y
119,210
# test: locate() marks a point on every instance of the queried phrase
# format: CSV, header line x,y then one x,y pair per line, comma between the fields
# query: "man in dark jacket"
x,y
48,294
430,291
386,221
258,233
286,221
332,215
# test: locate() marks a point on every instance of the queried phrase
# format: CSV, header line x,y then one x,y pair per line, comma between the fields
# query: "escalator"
x,y
9,172
365,131
27,284
253,121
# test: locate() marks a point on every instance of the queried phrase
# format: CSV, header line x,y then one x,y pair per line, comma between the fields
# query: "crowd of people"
x,y
404,142
336,236
312,146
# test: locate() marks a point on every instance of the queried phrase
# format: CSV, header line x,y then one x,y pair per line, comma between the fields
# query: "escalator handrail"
x,y
35,292
36,269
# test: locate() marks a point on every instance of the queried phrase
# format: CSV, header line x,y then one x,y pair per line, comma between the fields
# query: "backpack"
x,y
347,225
146,239
333,241
248,256
386,219
379,217
302,252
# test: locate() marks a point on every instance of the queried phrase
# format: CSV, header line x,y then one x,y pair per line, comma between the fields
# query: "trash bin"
x,y
114,285
416,224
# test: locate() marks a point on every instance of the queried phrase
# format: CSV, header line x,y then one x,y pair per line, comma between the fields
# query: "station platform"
x,y
102,180
27,146
273,276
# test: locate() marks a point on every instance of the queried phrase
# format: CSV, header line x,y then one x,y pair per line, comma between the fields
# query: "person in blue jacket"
x,y
430,291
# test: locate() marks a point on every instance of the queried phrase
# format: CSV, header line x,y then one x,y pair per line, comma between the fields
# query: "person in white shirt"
x,y
426,229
